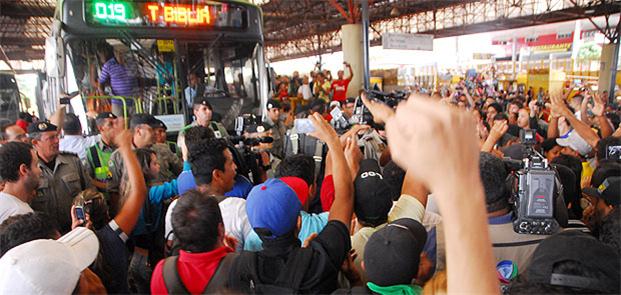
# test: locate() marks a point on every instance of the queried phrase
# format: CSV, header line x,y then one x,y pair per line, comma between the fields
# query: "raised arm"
x,y
583,129
128,214
351,72
343,205
599,110
430,127
498,130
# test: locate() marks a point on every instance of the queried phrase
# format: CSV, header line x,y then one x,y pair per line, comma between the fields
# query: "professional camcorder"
x,y
533,191
363,116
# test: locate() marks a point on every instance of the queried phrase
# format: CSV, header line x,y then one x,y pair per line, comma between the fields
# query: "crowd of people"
x,y
417,201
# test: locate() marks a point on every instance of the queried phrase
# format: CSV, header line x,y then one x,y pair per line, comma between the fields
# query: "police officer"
x,y
274,123
98,155
170,162
203,113
62,178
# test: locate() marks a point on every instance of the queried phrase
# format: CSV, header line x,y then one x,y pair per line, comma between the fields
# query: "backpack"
x,y
289,280
173,282
300,143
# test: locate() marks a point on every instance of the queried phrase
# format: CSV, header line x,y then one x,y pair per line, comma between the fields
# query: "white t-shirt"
x,y
78,144
11,205
305,90
234,217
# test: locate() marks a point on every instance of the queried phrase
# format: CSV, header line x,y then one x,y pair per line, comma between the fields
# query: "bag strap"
x,y
95,156
318,156
172,280
221,275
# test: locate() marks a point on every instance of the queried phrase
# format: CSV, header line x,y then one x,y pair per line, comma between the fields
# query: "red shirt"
x,y
195,270
326,194
340,89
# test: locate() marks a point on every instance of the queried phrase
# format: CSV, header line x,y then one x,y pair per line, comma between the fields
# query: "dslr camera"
x,y
249,123
363,116
533,192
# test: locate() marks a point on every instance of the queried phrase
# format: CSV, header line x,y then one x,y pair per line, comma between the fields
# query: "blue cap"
x,y
273,206
185,182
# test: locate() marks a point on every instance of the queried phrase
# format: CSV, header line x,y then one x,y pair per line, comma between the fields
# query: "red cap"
x,y
299,186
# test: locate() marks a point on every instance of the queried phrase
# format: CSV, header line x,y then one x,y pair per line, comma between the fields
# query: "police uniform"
x,y
278,131
59,185
217,127
170,163
98,155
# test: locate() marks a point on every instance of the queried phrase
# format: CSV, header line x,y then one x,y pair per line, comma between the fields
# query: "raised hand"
x,y
323,130
499,129
381,112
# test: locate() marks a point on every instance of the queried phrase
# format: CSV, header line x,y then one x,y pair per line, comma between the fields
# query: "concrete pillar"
x,y
351,39
606,67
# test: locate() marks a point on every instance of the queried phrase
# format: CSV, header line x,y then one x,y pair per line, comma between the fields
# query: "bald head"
x,y
16,133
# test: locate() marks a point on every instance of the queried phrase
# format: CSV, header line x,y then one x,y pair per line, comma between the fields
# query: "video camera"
x,y
362,114
533,191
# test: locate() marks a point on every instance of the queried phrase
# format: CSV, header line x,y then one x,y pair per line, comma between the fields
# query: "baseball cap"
x,y
273,208
605,184
161,124
105,115
578,247
335,103
41,127
350,100
575,142
273,104
548,144
299,186
48,266
515,151
392,254
373,195
139,119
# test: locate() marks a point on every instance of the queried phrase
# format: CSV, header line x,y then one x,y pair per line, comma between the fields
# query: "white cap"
x,y
574,141
48,266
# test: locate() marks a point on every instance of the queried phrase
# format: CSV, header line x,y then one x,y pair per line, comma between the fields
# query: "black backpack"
x,y
244,276
300,143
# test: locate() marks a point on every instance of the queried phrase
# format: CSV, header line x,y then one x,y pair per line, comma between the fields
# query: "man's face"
x,y
203,115
106,129
160,135
144,136
570,152
16,134
340,74
33,177
513,108
348,109
594,212
296,74
229,171
154,166
47,145
274,114
523,117
553,153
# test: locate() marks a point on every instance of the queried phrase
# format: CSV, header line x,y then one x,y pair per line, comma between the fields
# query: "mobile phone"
x,y
79,213
303,126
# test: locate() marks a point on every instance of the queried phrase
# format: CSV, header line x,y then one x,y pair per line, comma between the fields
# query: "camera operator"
x,y
273,122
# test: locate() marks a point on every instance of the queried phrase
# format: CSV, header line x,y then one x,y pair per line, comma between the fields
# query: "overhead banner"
x,y
405,41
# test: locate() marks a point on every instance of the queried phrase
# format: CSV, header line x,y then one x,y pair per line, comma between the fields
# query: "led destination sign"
x,y
164,14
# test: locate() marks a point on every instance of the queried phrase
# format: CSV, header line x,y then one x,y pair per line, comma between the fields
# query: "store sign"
x,y
407,41
562,47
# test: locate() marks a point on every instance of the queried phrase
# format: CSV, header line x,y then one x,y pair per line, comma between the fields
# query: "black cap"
x,y
592,255
161,124
105,115
139,119
41,127
515,151
373,195
605,184
350,100
392,254
201,100
273,104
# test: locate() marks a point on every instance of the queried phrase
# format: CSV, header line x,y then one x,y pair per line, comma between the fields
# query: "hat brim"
x,y
591,191
84,245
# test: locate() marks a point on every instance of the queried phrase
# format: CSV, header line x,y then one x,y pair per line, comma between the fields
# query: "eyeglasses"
x,y
585,203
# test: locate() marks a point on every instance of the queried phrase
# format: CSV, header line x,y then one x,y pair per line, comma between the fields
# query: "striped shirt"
x,y
122,83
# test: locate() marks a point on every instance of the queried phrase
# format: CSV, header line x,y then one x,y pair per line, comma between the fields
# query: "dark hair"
x,y
72,125
614,119
20,229
286,107
299,165
195,221
394,176
610,230
318,106
196,134
603,144
106,49
568,267
575,165
548,144
206,157
13,155
496,106
501,116
144,159
493,176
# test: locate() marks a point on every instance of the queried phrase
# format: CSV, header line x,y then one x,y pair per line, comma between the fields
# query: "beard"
x,y
32,182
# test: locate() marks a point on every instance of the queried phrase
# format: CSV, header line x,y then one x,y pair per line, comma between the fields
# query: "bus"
x,y
10,99
159,43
